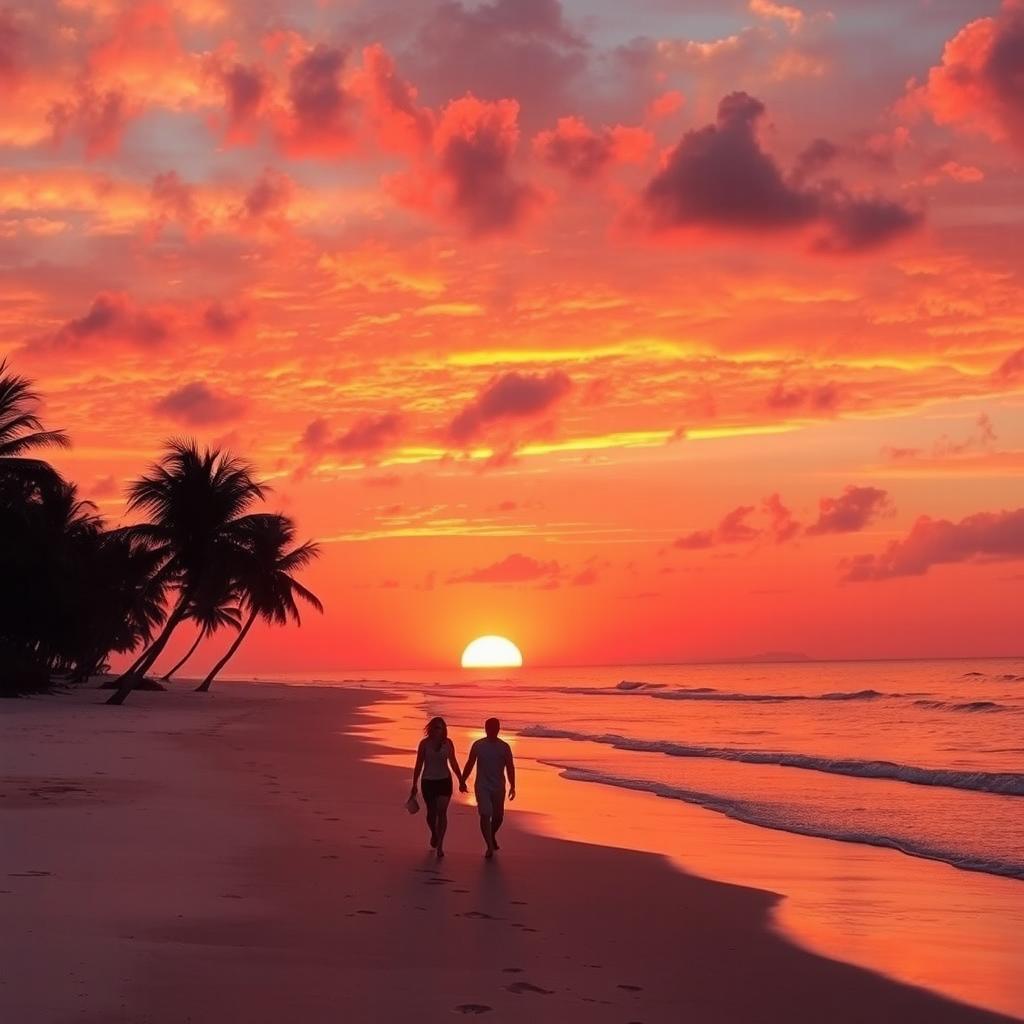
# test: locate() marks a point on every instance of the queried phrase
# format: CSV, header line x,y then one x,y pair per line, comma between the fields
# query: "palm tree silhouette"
x,y
198,503
264,581
21,431
209,616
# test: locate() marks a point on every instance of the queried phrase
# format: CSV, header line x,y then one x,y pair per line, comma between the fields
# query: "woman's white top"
x,y
435,760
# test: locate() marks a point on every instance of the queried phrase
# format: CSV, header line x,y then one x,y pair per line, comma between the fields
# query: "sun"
x,y
491,652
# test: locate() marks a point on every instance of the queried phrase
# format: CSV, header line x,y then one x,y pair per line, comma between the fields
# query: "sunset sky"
x,y
670,329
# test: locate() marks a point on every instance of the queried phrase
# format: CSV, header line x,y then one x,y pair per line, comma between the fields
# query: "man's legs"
x,y
485,805
497,816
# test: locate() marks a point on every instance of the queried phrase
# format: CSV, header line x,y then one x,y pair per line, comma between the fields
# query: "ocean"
x,y
908,777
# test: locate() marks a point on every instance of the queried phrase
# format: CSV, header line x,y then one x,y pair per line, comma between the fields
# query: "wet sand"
x,y
238,856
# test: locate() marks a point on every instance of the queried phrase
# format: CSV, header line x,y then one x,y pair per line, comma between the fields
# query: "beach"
x,y
245,855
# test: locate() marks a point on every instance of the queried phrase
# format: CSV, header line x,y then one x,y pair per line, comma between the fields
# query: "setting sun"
x,y
491,652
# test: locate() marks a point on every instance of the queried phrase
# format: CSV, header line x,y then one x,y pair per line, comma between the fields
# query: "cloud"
x,y
585,577
368,434
114,317
978,84
474,144
521,48
851,511
986,536
98,118
509,396
733,528
245,90
513,568
268,197
854,509
584,153
719,178
223,319
816,398
197,404
1012,367
319,108
400,122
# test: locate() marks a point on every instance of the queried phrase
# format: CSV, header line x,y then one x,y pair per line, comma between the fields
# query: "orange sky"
x,y
690,330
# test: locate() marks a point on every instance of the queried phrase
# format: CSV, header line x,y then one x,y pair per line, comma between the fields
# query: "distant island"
x,y
776,656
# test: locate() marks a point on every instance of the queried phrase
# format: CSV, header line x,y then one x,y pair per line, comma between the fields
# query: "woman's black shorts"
x,y
433,788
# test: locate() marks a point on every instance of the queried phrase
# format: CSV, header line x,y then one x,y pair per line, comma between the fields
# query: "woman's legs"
x,y
431,803
441,825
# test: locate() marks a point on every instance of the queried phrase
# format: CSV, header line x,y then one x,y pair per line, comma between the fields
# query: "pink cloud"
x,y
197,404
400,122
854,509
583,153
368,434
978,84
510,396
114,317
514,568
995,536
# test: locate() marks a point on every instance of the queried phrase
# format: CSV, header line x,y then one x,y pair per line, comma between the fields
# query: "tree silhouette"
x,y
263,578
197,503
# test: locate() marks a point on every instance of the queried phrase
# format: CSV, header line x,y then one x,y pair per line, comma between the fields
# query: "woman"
x,y
433,756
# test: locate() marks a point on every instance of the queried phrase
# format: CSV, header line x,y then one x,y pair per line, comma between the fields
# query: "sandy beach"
x,y
239,857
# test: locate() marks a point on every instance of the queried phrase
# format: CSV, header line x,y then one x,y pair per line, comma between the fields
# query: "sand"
x,y
237,856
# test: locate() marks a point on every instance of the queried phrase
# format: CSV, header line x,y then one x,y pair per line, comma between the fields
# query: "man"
x,y
492,758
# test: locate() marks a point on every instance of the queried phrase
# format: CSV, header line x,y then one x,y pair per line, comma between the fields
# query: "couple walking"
x,y
492,758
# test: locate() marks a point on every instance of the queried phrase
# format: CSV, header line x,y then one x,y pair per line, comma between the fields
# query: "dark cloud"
x,y
268,197
513,568
113,317
223,319
854,509
245,88
510,396
520,48
367,435
995,536
815,398
97,119
320,106
475,143
197,404
719,178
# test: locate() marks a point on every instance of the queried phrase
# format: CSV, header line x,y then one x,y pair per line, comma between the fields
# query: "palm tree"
x,y
197,502
263,577
210,617
21,430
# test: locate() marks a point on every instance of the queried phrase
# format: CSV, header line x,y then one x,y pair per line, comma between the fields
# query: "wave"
x,y
975,706
767,816
659,691
1000,783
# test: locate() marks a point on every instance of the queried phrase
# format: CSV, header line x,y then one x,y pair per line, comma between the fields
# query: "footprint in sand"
x,y
460,890
512,970
478,914
366,911
520,987
632,988
473,1009
231,896
29,874
519,903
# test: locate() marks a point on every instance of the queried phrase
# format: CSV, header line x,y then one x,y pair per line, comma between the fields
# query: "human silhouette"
x,y
492,758
433,756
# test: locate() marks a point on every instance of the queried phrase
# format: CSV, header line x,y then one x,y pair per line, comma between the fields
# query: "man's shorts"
x,y
490,802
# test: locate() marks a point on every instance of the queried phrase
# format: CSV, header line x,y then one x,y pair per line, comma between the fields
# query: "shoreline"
x,y
244,854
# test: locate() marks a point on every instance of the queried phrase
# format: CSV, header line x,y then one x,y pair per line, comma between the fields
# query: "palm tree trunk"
x,y
126,682
192,650
206,683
